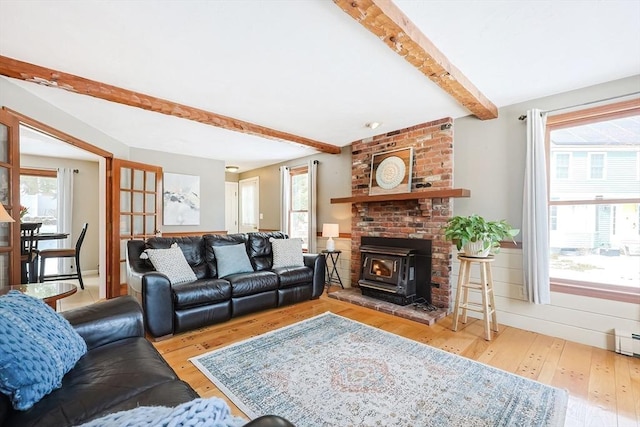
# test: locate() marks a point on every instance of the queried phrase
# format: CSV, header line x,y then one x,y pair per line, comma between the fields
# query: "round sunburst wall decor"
x,y
390,173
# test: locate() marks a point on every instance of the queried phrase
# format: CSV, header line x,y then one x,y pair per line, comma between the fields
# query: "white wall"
x,y
489,160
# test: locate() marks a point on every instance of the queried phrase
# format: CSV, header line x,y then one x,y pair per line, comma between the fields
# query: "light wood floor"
x,y
604,386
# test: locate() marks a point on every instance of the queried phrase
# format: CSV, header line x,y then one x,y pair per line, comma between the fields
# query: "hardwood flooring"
x,y
604,387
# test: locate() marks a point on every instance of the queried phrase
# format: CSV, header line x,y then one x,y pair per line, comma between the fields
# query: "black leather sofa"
x,y
121,370
170,309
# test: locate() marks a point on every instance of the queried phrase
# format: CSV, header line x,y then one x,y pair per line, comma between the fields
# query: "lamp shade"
x,y
4,215
330,230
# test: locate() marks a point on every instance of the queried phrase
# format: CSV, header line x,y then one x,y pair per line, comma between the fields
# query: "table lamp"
x,y
4,215
330,231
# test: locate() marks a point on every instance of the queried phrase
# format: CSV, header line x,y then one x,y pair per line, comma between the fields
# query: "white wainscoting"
x,y
576,318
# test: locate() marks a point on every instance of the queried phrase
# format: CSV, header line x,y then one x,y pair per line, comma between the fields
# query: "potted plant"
x,y
476,235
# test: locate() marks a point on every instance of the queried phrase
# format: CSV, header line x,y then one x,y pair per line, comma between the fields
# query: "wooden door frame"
x,y
112,282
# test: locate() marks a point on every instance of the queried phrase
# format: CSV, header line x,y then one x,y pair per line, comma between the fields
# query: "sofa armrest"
x,y
107,321
157,303
316,262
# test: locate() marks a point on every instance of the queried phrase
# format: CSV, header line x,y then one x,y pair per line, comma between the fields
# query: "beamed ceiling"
x,y
256,82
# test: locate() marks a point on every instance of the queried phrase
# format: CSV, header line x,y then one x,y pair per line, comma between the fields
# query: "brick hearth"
x,y
416,219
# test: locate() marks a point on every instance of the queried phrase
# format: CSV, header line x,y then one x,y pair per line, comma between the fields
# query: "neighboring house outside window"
x,y
594,201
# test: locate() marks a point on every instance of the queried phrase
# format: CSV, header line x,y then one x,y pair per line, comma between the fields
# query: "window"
x,y
38,193
561,166
596,165
594,208
299,205
553,218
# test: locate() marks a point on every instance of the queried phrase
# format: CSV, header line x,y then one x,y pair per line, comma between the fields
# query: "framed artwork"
x,y
391,172
181,199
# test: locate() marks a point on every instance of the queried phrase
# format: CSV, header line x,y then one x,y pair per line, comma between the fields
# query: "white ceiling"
x,y
304,66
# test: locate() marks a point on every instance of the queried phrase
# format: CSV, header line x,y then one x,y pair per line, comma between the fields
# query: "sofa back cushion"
x,y
192,247
260,251
211,240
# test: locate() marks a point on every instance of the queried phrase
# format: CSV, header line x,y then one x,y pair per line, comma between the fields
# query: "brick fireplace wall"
x,y
417,219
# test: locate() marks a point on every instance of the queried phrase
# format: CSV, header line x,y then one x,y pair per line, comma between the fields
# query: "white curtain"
x,y
313,197
535,221
65,216
285,197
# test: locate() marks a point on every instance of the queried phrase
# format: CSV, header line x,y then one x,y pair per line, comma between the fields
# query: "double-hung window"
x,y
299,205
594,201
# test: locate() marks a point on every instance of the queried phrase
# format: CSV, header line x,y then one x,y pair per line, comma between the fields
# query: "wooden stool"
x,y
488,305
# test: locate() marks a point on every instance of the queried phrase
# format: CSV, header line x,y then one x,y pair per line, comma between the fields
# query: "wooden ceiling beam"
x,y
384,19
34,73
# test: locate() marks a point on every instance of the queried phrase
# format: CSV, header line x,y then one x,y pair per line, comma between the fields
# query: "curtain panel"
x,y
535,212
65,216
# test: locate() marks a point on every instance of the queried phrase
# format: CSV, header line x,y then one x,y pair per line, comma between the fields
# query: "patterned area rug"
x,y
332,371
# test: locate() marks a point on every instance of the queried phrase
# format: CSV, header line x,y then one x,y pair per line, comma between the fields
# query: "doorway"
x,y
249,204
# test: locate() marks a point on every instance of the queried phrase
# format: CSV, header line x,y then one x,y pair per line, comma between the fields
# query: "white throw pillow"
x,y
172,263
287,252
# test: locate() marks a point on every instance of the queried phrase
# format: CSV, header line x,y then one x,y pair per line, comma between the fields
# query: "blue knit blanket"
x,y
212,412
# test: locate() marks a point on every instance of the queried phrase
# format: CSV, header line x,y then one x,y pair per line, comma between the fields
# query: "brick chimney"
x,y
416,219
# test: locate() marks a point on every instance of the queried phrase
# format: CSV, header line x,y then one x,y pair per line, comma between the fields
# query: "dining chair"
x,y
46,254
29,251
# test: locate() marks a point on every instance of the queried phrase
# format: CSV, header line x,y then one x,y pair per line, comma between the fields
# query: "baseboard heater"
x,y
627,343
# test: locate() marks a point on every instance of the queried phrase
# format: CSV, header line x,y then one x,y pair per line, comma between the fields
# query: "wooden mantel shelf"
x,y
424,194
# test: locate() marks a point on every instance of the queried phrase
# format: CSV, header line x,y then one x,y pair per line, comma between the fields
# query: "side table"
x,y
331,258
49,292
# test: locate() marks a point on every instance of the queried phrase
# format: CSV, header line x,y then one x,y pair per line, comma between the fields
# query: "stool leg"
x,y
494,316
461,274
467,280
485,300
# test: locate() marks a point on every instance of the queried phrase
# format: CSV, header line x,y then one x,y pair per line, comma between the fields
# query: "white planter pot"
x,y
476,250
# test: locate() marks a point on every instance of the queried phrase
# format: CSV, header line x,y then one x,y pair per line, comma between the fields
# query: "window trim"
x,y
575,118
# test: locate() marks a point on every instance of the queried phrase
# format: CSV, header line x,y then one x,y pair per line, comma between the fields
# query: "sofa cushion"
x,y
205,291
252,283
232,259
211,240
286,252
37,347
292,276
172,263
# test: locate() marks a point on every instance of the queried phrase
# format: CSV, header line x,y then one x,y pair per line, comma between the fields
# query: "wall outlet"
x,y
261,215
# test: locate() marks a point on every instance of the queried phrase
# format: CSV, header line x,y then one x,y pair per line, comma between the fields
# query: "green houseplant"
x,y
476,235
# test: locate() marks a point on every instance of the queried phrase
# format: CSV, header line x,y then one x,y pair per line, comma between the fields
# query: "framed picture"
x,y
181,197
391,172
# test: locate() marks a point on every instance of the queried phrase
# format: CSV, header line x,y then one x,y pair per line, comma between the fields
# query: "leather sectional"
x,y
120,371
171,309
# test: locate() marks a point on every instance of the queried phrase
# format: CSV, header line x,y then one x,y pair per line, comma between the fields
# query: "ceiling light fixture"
x,y
232,168
373,125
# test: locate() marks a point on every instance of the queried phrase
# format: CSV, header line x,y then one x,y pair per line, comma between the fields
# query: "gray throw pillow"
x,y
172,263
287,252
232,259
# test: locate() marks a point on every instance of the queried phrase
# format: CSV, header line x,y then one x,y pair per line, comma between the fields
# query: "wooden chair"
x,y
29,251
46,254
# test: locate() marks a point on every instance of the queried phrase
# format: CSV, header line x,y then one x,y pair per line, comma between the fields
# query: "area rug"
x,y
332,371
